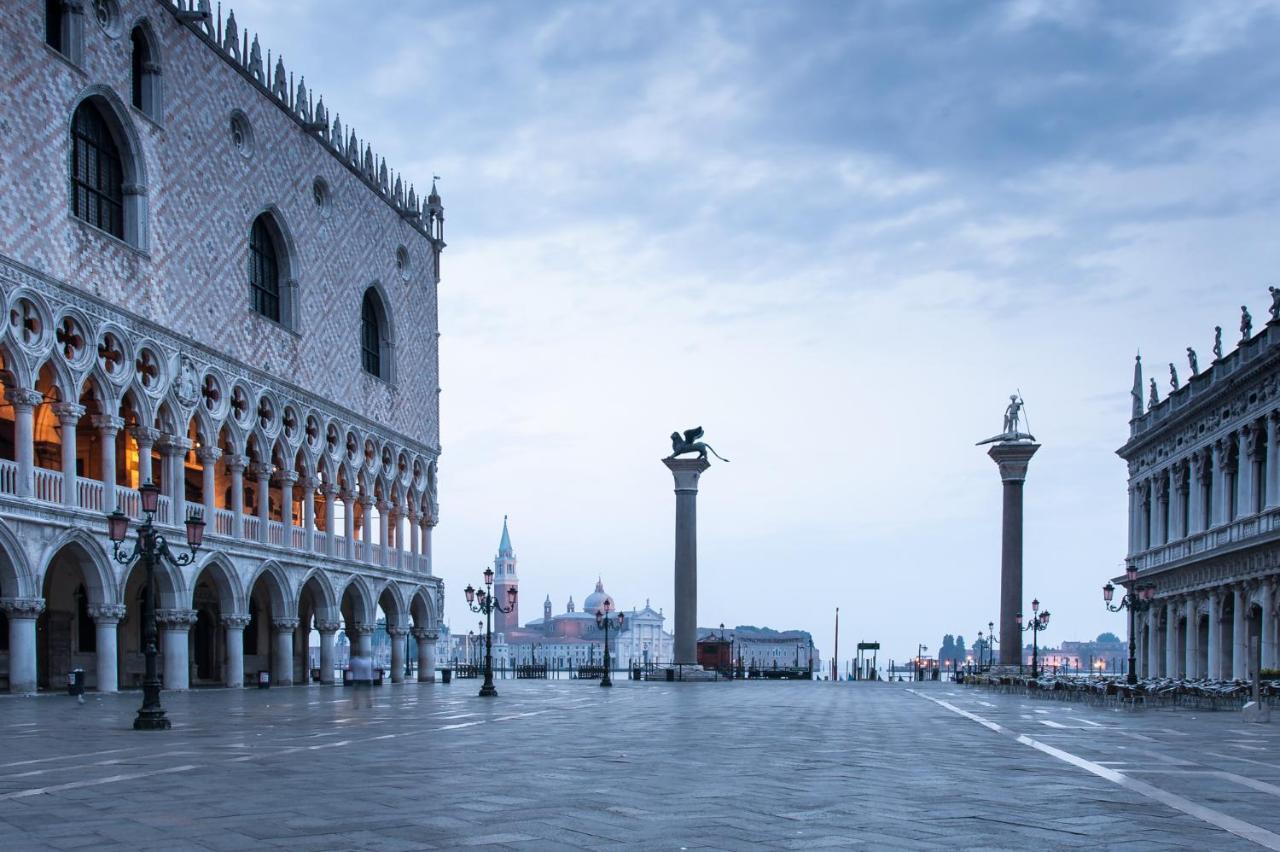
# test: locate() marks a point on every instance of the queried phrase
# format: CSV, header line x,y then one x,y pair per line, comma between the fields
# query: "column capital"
x,y
23,398
236,463
285,624
384,506
209,455
1012,457
107,613
686,473
398,632
287,477
68,413
425,634
144,435
239,622
308,481
365,500
22,607
173,445
108,425
360,630
328,489
261,471
176,619
328,626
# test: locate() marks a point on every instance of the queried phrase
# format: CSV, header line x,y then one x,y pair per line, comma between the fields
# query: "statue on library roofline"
x,y
1275,303
689,443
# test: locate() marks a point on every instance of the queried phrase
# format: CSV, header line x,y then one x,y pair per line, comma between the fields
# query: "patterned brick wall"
x,y
203,196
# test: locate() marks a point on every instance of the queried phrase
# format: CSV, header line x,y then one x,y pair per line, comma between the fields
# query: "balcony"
x,y
1233,535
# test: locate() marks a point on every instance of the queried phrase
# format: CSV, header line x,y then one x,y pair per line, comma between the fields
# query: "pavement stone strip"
x,y
566,765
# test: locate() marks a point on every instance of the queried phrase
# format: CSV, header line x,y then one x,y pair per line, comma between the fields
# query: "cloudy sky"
x,y
835,235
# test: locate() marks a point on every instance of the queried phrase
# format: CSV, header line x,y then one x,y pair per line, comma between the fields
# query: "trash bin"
x,y
315,675
75,682
264,679
377,677
671,674
446,675
347,677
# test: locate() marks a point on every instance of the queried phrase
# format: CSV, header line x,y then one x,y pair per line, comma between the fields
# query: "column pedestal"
x,y
282,656
1012,457
686,473
328,631
426,653
398,636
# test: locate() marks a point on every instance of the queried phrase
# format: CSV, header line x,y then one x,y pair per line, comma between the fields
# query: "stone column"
x,y
173,449
1244,472
415,520
1239,637
174,626
286,479
282,657
1012,457
22,614
349,525
1160,523
328,631
24,402
1192,639
1174,530
1272,463
1268,626
145,437
236,465
1171,639
1220,492
1199,468
106,624
362,641
263,474
208,458
398,636
1133,519
428,525
686,473
108,427
234,626
1215,636
1153,641
384,507
366,534
308,486
330,492
426,653
68,414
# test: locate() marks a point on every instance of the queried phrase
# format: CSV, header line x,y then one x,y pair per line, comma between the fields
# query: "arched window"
x,y
264,270
146,73
97,172
375,338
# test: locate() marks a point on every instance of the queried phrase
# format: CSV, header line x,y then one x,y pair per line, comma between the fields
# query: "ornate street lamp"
x,y
605,619
1137,599
484,601
1038,621
150,548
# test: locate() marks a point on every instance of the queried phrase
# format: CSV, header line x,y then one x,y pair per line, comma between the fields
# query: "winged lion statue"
x,y
689,443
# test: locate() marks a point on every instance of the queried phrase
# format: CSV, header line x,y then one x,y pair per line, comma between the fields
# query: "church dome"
x,y
595,600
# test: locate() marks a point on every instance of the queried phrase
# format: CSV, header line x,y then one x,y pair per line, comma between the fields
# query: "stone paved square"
x,y
567,765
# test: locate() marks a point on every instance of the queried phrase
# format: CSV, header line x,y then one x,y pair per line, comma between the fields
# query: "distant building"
x,y
765,648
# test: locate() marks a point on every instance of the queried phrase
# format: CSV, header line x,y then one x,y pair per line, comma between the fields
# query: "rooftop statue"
x,y
1012,418
1246,323
1173,376
689,443
1217,343
1275,303
1195,362
1154,399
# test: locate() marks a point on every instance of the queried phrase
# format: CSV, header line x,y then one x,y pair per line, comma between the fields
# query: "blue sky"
x,y
835,235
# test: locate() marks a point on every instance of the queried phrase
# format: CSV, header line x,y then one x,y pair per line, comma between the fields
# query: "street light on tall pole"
x,y
920,660
1038,621
1137,599
483,601
150,549
605,619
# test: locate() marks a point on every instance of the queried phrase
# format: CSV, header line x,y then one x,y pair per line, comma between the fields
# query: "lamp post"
x,y
483,600
150,549
1137,599
1038,621
920,660
606,619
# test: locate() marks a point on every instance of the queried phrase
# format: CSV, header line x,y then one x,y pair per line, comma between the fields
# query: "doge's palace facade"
x,y
211,283
1204,509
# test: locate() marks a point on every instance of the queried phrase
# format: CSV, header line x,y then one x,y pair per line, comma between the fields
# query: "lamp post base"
x,y
150,720
488,691
606,681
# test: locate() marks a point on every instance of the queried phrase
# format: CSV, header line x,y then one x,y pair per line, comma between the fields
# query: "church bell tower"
x,y
504,577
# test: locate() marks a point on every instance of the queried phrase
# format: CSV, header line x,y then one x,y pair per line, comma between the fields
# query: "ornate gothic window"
x,y
264,270
97,172
370,335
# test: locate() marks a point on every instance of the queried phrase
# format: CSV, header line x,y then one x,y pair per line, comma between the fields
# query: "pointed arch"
x,y
317,582
99,576
279,591
391,599
15,573
422,608
362,600
377,334
145,71
273,268
108,172
226,580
